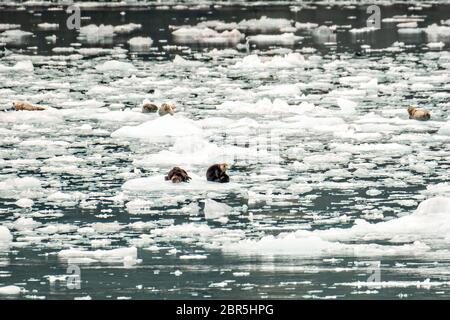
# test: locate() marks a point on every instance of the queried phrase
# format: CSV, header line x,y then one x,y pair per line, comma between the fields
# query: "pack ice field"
x,y
328,137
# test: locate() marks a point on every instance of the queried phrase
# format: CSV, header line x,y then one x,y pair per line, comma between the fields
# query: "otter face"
x,y
411,110
168,108
223,167
176,179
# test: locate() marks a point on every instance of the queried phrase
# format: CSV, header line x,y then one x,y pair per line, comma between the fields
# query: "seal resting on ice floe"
x,y
149,108
177,175
217,173
23,106
166,108
418,114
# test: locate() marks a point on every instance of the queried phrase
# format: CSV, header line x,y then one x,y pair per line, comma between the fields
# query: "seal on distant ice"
x,y
217,173
23,106
418,114
149,108
177,175
166,108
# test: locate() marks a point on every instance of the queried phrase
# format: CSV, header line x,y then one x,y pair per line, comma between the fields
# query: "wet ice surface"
x,y
328,174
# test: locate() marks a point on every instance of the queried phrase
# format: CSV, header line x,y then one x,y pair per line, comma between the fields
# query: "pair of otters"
x,y
215,173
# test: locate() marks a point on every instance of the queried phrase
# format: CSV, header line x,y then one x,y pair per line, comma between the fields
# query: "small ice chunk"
x,y
21,66
5,235
139,206
140,43
114,65
127,28
10,290
275,39
346,106
48,26
436,45
113,255
216,210
180,61
445,129
24,203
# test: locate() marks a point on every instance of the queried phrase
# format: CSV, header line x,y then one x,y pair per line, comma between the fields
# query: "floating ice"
x,y
25,224
94,33
158,183
278,39
127,28
14,36
21,66
24,203
19,187
139,206
207,36
48,26
193,257
161,128
422,233
363,30
264,24
5,236
180,61
291,60
412,24
8,26
347,106
107,256
140,43
189,151
114,65
436,33
445,129
216,210
10,290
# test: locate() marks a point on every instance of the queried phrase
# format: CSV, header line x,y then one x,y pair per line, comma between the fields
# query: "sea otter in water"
x,y
418,114
177,175
23,106
217,173
149,108
166,108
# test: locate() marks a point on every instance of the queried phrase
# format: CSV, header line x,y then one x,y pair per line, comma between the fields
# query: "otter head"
x,y
223,167
411,110
176,179
168,108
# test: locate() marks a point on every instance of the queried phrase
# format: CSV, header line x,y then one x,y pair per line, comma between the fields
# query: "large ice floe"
x,y
165,127
158,184
206,36
126,256
5,236
422,233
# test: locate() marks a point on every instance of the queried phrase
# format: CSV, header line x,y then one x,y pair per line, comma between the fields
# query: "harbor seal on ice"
x,y
418,114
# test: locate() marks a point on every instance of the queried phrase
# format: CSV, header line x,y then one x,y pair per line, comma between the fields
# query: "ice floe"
x,y
119,255
161,128
421,233
157,183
